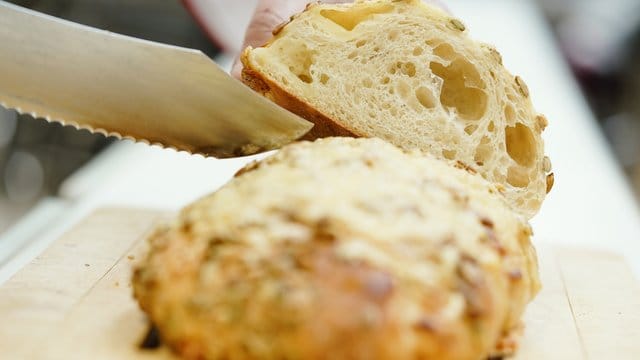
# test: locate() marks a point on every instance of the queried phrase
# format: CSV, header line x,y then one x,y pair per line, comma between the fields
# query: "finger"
x,y
267,15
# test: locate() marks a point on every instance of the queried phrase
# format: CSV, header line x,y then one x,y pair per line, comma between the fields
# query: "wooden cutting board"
x,y
74,301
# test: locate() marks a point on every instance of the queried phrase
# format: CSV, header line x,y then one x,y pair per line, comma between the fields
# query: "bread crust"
x,y
323,125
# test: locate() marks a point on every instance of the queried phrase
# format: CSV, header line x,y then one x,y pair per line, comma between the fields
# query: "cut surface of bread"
x,y
407,73
342,249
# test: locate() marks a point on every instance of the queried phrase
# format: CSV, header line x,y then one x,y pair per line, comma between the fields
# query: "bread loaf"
x,y
408,73
342,249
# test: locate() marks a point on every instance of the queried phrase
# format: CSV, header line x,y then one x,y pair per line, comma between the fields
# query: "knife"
x,y
131,88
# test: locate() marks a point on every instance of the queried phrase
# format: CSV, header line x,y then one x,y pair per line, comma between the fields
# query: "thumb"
x,y
267,15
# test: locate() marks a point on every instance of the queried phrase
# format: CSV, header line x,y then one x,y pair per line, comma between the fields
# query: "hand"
x,y
271,13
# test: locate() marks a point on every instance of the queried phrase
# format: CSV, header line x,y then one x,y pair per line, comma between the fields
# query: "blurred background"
x,y
600,41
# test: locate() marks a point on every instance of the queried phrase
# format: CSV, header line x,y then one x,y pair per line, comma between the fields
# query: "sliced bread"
x,y
408,73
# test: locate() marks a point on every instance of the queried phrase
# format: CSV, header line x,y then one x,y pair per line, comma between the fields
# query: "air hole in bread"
x,y
305,78
444,51
509,114
462,85
417,51
432,43
350,19
470,129
392,35
352,55
521,144
367,83
300,61
491,127
425,97
385,80
449,154
324,78
517,176
533,203
360,43
408,69
403,89
484,151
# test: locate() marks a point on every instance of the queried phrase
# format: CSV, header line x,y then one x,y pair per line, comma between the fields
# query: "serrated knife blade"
x,y
128,87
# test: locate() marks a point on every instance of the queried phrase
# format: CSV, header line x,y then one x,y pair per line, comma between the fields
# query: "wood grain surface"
x,y
74,301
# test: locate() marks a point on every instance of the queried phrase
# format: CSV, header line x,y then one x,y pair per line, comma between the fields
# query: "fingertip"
x,y
236,69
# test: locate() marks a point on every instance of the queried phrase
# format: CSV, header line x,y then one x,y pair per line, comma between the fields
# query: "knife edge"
x,y
116,135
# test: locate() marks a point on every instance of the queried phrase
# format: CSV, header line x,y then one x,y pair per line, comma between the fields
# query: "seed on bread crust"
x,y
522,86
550,181
457,25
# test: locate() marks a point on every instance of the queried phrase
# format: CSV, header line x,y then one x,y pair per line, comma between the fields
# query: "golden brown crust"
x,y
352,315
324,126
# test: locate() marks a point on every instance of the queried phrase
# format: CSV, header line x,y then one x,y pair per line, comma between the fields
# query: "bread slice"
x,y
342,249
407,73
